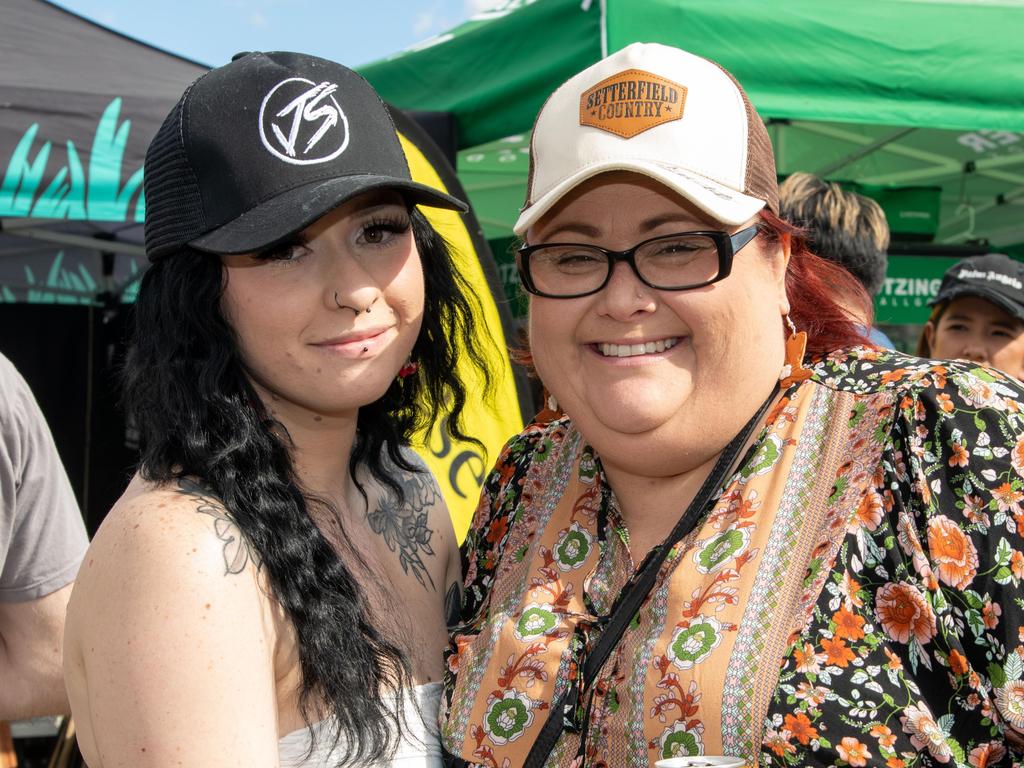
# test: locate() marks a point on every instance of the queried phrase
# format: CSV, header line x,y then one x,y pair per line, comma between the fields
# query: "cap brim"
x,y
282,216
1003,302
722,203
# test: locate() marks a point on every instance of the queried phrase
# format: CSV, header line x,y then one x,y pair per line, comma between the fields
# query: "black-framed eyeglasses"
x,y
676,262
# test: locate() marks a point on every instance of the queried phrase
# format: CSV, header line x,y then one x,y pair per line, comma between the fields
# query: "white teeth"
x,y
631,350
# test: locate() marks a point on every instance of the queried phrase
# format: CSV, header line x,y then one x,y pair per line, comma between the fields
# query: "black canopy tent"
x,y
79,104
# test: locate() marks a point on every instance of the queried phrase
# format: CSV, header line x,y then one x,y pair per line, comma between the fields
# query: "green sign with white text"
x,y
911,281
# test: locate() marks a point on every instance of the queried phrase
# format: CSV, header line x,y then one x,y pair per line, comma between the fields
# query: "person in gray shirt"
x,y
42,542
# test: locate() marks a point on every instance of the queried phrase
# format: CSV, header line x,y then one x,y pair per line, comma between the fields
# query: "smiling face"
x,y
972,328
657,381
299,312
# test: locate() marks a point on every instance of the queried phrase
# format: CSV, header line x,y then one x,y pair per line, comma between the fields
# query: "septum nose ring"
x,y
347,306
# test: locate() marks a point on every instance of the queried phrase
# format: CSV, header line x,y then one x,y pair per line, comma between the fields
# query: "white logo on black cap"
x,y
991,276
302,123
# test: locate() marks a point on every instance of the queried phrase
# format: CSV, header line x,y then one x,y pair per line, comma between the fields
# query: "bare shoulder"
x,y
157,543
414,524
172,523
168,628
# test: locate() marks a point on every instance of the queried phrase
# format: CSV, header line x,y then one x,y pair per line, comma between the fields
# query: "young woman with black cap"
x,y
978,314
270,589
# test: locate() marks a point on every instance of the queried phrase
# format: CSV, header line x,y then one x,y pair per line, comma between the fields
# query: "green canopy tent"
x,y
919,102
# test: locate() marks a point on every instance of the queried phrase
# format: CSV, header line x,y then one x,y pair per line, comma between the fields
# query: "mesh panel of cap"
x,y
174,205
761,181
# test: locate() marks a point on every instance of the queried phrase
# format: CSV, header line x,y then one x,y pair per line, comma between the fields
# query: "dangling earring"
x,y
549,409
796,345
408,369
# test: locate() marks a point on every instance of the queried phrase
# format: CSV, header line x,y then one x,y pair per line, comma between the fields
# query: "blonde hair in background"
x,y
841,225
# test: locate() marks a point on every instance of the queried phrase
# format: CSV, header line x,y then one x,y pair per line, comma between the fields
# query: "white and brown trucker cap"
x,y
661,112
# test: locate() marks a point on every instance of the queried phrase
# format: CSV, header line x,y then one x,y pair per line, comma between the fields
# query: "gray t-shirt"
x,y
42,535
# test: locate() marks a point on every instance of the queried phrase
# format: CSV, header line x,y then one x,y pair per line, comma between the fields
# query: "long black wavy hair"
x,y
187,391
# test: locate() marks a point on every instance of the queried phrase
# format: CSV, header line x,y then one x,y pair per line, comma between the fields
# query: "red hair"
x,y
818,290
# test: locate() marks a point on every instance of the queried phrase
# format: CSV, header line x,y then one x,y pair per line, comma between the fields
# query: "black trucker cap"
x,y
260,148
994,277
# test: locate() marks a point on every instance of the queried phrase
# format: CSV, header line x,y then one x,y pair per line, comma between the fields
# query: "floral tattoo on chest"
x,y
403,523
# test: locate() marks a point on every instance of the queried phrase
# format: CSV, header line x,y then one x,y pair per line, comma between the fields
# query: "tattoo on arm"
x,y
236,548
404,524
453,605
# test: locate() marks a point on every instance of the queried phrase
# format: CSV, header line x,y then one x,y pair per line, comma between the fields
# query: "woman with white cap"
x,y
270,589
751,537
978,314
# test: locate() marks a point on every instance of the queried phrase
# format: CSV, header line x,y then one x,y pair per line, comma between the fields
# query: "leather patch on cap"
x,y
632,102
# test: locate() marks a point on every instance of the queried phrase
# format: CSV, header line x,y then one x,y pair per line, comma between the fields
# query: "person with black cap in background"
x,y
270,589
978,314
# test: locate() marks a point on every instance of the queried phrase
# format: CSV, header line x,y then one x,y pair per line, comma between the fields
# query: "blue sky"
x,y
352,32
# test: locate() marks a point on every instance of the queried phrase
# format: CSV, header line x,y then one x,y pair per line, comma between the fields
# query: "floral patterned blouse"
x,y
851,599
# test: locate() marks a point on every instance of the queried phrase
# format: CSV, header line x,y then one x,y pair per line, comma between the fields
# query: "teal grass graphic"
x,y
90,192
65,285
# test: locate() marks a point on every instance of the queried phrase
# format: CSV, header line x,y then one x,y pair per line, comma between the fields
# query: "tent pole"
x,y
90,375
864,151
34,230
834,131
989,167
1008,198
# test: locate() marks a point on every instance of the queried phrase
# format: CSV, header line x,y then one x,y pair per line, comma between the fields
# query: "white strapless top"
x,y
418,748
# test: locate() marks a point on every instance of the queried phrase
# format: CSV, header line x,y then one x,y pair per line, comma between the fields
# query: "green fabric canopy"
x,y
923,63
887,93
918,103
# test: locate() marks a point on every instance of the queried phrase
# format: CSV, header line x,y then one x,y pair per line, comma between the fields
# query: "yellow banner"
x,y
460,468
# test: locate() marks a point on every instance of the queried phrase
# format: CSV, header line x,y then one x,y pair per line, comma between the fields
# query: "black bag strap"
x,y
635,592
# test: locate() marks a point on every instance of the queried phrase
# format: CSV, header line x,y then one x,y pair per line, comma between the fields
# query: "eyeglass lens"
x,y
673,262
